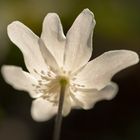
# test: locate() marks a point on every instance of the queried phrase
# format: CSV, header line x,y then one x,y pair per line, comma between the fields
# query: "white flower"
x,y
53,57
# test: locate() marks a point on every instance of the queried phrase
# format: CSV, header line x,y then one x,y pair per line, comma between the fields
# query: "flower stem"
x,y
58,121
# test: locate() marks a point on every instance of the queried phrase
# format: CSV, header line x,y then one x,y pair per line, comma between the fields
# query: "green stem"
x,y
58,121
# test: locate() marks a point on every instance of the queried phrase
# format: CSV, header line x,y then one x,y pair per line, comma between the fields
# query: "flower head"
x,y
54,58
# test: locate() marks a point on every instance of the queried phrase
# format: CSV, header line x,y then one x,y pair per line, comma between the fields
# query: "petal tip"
x,y
6,73
113,89
42,110
133,56
86,10
12,24
89,13
136,57
4,70
12,27
51,16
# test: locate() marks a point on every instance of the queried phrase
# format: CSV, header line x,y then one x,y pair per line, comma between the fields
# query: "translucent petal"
x,y
27,42
53,37
86,99
20,79
79,41
98,72
42,110
49,59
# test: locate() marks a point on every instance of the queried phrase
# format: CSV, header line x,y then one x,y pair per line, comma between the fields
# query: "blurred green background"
x,y
118,27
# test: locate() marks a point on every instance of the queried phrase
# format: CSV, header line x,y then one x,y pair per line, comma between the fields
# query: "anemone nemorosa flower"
x,y
54,57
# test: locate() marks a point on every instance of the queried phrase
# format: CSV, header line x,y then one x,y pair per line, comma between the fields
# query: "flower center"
x,y
49,85
63,81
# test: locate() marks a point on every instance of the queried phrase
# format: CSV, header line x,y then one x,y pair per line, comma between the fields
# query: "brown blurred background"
x,y
118,27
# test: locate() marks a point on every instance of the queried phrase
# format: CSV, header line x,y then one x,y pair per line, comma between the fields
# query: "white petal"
x,y
79,41
49,59
27,42
86,99
53,37
42,110
98,72
19,79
